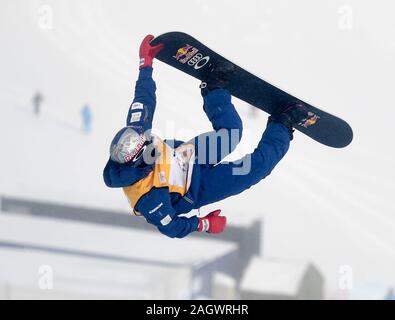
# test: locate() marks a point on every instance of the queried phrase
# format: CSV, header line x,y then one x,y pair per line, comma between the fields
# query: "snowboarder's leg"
x,y
229,179
213,146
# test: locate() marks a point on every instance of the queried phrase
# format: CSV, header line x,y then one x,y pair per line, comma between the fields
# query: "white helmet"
x,y
128,146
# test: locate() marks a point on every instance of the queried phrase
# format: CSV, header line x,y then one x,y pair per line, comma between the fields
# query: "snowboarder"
x,y
164,179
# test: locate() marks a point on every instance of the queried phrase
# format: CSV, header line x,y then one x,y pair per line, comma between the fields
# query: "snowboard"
x,y
189,55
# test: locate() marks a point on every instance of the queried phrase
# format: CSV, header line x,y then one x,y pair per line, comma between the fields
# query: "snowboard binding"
x,y
217,77
290,116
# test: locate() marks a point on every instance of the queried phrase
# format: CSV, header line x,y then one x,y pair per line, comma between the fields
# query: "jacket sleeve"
x,y
141,112
156,207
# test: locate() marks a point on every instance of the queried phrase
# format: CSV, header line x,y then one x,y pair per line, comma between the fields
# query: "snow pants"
x,y
220,180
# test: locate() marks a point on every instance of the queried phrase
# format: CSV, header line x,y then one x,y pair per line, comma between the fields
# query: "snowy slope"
x,y
333,207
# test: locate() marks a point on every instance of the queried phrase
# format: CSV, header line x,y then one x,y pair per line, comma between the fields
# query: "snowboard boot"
x,y
290,116
217,77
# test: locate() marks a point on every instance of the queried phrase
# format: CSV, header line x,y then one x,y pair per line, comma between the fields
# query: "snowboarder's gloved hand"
x,y
217,77
291,116
212,223
148,52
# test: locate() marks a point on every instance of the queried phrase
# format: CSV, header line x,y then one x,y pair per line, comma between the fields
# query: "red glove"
x,y
148,52
212,223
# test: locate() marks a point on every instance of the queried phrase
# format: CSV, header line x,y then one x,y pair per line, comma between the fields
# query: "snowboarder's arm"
x,y
179,227
141,112
156,207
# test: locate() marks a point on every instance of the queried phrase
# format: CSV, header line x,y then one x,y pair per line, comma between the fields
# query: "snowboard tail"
x,y
187,54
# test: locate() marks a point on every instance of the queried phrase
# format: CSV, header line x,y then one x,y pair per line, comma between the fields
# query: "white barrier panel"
x,y
37,275
224,287
272,280
88,260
